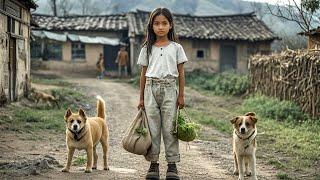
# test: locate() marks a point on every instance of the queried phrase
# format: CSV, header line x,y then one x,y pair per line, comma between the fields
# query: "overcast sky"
x,y
275,1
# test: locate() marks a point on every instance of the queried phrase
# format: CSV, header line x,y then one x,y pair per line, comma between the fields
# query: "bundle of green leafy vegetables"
x,y
142,131
186,130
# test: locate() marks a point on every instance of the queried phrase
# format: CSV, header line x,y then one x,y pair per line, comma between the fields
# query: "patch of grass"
x,y
67,97
29,119
205,119
276,163
282,175
295,137
45,81
80,160
226,83
42,117
135,80
272,108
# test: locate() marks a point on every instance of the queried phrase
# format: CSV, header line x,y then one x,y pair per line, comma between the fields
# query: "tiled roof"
x,y
92,23
229,27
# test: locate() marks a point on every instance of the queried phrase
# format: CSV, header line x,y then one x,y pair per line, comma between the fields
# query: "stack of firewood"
x,y
290,75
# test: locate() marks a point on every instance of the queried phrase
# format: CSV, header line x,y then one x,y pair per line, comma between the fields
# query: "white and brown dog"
x,y
244,145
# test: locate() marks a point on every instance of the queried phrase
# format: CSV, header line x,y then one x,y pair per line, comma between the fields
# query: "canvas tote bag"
x,y
137,139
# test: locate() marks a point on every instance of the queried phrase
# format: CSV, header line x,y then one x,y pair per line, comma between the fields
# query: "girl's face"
x,y
161,25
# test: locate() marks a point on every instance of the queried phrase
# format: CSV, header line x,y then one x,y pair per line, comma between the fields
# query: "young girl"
x,y
162,60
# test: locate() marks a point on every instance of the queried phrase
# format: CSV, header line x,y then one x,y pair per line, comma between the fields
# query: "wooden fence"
x,y
290,75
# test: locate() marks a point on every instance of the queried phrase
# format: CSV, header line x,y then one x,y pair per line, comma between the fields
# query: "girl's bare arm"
x,y
142,85
180,100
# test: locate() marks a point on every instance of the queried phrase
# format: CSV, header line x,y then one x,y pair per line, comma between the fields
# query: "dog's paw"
x,y
88,171
65,170
236,172
106,168
247,173
240,178
254,178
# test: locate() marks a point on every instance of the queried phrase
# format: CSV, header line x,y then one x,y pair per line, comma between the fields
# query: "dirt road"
x,y
204,159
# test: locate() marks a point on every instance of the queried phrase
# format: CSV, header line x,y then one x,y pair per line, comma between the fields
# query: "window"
x,y
54,51
200,54
11,25
35,47
1,5
78,51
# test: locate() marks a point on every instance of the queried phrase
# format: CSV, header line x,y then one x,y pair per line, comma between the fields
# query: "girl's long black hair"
x,y
151,36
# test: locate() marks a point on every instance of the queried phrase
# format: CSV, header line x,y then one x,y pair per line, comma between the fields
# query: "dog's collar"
x,y
239,136
76,134
253,133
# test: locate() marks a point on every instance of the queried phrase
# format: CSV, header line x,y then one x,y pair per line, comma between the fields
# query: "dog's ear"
x,y
250,114
254,119
82,114
68,114
233,120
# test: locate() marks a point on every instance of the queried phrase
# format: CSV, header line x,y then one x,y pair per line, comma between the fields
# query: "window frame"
x,y
53,49
75,55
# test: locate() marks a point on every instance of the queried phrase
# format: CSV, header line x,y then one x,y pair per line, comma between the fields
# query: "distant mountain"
x,y
193,7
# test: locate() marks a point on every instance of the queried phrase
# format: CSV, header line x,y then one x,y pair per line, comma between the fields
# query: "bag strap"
x,y
188,117
145,122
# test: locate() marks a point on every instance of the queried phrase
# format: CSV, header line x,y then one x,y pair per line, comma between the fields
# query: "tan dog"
x,y
85,133
41,96
244,145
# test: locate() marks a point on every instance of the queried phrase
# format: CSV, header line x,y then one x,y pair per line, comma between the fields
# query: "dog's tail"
x,y
101,107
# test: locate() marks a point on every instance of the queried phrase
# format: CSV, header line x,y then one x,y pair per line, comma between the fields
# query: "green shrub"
x,y
67,97
273,108
282,175
226,83
51,81
135,80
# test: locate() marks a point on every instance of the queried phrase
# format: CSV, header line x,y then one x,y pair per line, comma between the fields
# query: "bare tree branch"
x,y
301,14
258,9
53,5
65,7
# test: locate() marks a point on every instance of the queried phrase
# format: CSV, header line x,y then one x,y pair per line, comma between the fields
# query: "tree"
x,y
53,5
85,6
304,14
259,9
65,7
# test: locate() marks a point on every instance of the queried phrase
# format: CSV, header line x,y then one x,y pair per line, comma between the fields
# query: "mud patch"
x,y
27,167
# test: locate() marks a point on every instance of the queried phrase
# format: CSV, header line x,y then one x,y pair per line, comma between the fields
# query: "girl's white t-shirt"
x,y
163,60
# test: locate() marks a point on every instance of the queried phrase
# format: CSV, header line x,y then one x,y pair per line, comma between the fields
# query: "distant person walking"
x,y
122,60
100,67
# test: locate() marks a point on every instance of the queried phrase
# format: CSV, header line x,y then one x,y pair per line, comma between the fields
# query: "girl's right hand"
x,y
141,104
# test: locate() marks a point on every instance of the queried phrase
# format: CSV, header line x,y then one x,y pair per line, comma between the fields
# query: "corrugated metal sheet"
x,y
75,37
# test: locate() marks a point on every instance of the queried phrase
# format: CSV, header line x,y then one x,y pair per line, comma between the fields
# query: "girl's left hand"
x,y
180,102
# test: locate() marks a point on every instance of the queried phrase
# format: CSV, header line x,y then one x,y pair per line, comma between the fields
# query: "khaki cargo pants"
x,y
160,97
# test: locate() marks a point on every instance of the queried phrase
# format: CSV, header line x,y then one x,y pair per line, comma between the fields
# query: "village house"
x,y
212,43
15,22
75,42
313,38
